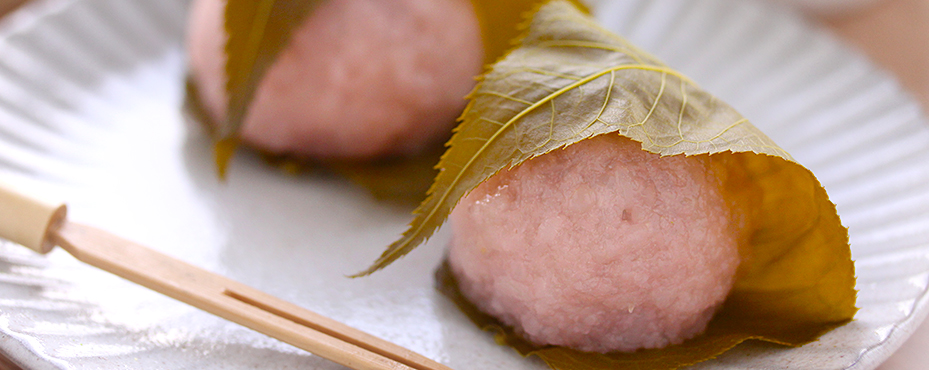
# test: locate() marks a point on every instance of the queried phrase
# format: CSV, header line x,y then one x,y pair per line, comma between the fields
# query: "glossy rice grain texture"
x,y
359,78
600,246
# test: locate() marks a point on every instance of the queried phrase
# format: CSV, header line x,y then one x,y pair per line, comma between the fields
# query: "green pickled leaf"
x,y
570,80
500,21
257,31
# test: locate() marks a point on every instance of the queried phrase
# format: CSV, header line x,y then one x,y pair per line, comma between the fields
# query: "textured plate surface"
x,y
89,108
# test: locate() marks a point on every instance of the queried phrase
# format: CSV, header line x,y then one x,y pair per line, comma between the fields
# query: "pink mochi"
x,y
599,247
359,78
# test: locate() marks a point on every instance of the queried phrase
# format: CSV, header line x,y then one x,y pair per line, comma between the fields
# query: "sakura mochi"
x,y
359,78
600,246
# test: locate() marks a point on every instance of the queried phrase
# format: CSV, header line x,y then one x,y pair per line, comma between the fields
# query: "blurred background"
x,y
894,34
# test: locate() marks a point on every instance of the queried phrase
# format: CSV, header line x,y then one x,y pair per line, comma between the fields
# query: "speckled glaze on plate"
x,y
90,92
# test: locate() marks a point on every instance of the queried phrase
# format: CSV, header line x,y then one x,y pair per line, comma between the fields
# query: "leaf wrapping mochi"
x,y
333,80
568,81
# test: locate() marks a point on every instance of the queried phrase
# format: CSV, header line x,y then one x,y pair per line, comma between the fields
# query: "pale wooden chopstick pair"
x,y
40,225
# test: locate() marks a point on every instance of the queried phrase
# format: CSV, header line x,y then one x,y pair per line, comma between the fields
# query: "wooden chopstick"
x,y
40,225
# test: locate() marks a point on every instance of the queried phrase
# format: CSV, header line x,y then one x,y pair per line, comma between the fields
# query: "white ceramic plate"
x,y
89,108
